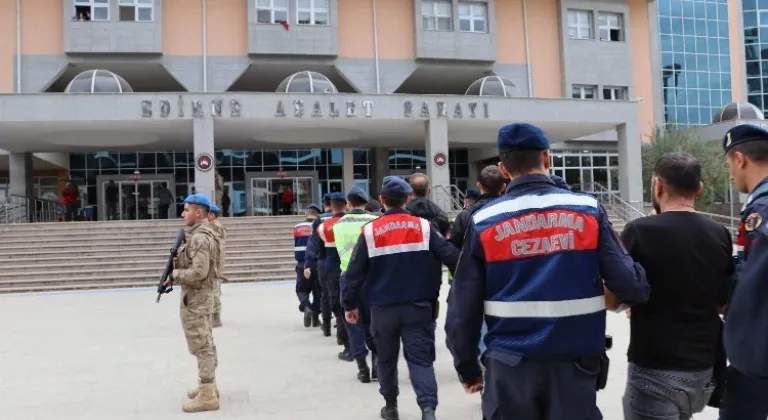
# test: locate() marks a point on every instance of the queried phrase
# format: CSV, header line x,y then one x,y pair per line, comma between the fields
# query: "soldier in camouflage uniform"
x,y
221,231
219,187
195,270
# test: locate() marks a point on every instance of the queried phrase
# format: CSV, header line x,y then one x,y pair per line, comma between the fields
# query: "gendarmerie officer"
x,y
346,233
746,320
332,270
393,258
532,263
314,261
304,287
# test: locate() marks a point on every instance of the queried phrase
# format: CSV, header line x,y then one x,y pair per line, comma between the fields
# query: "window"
x,y
91,10
583,92
437,15
611,26
472,17
312,12
135,10
271,11
615,93
580,24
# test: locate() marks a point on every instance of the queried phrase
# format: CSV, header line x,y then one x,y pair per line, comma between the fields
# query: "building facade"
x,y
212,79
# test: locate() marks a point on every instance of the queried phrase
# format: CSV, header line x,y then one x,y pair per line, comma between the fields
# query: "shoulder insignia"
x,y
752,222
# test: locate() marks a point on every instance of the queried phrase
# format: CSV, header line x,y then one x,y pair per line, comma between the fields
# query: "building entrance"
x,y
137,200
281,196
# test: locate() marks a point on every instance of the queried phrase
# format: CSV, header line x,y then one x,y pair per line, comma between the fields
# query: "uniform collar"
x,y
529,179
309,220
397,211
340,214
760,189
356,211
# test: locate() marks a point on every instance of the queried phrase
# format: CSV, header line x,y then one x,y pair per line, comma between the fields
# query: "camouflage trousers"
x,y
217,298
196,321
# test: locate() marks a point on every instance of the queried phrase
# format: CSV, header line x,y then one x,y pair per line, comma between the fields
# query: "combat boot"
x,y
428,414
315,320
346,355
307,317
374,369
193,393
363,372
216,320
389,412
327,329
205,400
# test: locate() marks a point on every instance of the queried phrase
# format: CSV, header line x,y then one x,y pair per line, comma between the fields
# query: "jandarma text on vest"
x,y
398,224
546,232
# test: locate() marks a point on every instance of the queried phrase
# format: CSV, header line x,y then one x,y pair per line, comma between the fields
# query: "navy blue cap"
x,y
472,194
199,199
337,197
394,186
215,209
358,193
522,136
314,207
327,197
742,134
560,182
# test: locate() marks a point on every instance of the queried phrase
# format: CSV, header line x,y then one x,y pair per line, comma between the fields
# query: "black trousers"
x,y
334,300
325,308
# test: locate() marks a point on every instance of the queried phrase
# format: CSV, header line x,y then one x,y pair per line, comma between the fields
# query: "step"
x,y
88,249
169,223
253,262
144,270
138,234
128,278
162,242
139,255
115,285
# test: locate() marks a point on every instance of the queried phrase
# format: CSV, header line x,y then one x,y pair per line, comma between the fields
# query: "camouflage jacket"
x,y
196,263
221,231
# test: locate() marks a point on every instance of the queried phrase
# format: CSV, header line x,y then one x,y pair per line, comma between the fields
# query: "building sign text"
x,y
441,110
318,110
196,108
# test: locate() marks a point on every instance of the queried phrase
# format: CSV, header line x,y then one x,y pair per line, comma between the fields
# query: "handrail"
x,y
448,197
21,209
729,222
613,203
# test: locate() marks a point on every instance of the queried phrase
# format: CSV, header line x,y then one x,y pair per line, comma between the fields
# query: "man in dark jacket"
x,y
491,183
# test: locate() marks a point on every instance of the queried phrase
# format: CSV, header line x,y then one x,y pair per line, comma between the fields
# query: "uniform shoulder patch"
x,y
752,222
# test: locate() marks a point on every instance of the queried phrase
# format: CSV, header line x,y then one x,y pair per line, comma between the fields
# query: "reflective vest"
x,y
301,233
325,230
347,232
543,291
400,264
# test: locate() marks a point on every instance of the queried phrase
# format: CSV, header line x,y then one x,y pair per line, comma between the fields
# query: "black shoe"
x,y
307,317
363,372
389,412
326,329
346,355
339,341
428,414
374,369
315,320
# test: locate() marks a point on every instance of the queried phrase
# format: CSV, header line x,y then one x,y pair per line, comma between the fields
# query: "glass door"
x,y
302,193
128,205
260,197
145,200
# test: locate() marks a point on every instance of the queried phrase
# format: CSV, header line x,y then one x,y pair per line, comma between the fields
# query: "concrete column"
x,y
348,168
379,160
630,165
21,175
205,180
439,176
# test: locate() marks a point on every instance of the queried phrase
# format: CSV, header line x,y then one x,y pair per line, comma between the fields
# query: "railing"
x,y
730,223
449,197
20,209
613,203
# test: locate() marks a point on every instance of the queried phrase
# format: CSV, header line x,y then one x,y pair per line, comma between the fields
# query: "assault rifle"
x,y
161,287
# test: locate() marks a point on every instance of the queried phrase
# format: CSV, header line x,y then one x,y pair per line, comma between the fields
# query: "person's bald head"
x,y
420,184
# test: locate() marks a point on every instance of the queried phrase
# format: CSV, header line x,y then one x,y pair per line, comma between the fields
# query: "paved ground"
x,y
117,355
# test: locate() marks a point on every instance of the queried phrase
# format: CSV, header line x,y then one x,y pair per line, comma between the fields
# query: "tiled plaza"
x,y
116,355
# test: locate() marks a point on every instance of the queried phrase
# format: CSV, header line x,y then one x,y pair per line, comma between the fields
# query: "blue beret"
x,y
327,197
522,136
215,209
742,134
199,199
338,197
394,186
472,193
560,182
358,193
314,207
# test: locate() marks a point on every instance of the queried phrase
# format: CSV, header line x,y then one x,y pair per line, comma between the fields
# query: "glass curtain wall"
x,y
756,51
695,59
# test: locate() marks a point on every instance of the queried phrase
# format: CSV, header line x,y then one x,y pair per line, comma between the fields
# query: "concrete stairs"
x,y
99,255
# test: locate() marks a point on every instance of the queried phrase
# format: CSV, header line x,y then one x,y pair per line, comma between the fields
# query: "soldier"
x,y
213,218
393,259
346,233
195,270
219,188
314,262
332,270
304,287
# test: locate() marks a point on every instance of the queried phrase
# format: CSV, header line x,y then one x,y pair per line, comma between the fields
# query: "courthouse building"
x,y
316,95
